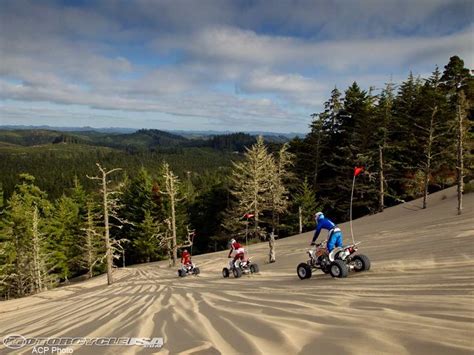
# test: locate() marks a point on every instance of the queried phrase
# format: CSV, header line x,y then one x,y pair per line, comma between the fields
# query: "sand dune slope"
x,y
416,299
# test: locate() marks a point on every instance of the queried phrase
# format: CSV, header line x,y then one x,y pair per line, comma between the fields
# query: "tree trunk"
x,y
429,157
173,224
108,246
318,157
382,180
300,217
37,277
168,251
89,236
460,160
271,244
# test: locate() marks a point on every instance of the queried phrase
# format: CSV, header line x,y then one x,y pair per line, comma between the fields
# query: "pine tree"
x,y
305,199
147,242
138,201
405,152
458,84
279,176
23,245
384,117
431,129
351,145
92,246
251,184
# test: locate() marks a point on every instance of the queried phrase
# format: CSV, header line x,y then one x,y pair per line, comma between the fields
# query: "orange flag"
x,y
358,170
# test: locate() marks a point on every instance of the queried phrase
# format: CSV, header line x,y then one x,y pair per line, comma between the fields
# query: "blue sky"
x,y
213,64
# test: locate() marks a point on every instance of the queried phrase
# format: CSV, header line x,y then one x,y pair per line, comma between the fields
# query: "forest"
x,y
78,204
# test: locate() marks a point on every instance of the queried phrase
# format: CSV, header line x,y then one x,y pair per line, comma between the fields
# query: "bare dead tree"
x,y
166,238
37,262
172,190
103,178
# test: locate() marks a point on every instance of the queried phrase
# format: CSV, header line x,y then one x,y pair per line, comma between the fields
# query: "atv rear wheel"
x,y
304,271
237,272
225,272
338,269
253,268
196,271
361,263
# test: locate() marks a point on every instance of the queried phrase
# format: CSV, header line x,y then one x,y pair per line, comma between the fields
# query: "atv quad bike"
x,y
240,267
186,270
337,263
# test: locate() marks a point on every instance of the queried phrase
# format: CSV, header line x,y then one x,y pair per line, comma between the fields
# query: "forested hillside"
x,y
66,212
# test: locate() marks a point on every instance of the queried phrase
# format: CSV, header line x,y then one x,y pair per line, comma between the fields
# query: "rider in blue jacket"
x,y
334,233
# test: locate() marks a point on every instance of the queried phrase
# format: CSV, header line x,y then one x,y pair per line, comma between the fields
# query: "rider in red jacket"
x,y
186,258
238,249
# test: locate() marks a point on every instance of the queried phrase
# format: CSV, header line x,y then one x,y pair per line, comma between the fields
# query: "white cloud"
x,y
99,57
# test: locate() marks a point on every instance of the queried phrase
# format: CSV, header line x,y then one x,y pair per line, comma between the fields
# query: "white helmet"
x,y
318,215
232,241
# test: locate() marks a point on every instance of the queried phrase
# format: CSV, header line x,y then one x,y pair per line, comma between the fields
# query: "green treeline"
x,y
411,139
406,137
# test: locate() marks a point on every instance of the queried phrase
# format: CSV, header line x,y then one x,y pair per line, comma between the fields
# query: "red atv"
x,y
337,263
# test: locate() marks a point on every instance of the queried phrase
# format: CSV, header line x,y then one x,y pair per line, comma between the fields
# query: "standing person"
x,y
334,233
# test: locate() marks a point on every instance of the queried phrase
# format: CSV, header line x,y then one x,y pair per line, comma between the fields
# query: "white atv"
x,y
186,270
240,267
337,263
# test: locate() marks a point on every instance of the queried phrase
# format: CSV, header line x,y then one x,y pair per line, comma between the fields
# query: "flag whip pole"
x,y
357,171
350,210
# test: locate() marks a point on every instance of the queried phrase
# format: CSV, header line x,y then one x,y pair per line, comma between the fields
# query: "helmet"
x,y
318,215
185,251
232,241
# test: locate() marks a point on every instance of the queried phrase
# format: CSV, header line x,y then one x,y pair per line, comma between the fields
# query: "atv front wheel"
x,y
181,273
237,272
338,269
253,268
225,272
304,271
361,263
196,271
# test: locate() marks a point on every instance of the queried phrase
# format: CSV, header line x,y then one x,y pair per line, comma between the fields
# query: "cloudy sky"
x,y
213,64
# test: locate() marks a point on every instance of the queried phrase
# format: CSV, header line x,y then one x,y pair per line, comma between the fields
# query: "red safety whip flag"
x,y
249,215
358,170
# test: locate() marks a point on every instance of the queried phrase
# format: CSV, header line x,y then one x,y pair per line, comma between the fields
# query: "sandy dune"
x,y
416,299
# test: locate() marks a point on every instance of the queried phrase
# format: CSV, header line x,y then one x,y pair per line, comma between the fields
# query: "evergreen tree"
x,y
279,176
350,146
65,230
384,117
23,246
92,246
305,199
458,83
405,150
138,202
431,128
251,185
147,241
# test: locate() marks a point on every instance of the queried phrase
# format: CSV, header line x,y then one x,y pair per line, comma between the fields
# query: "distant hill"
x,y
143,139
69,129
190,134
